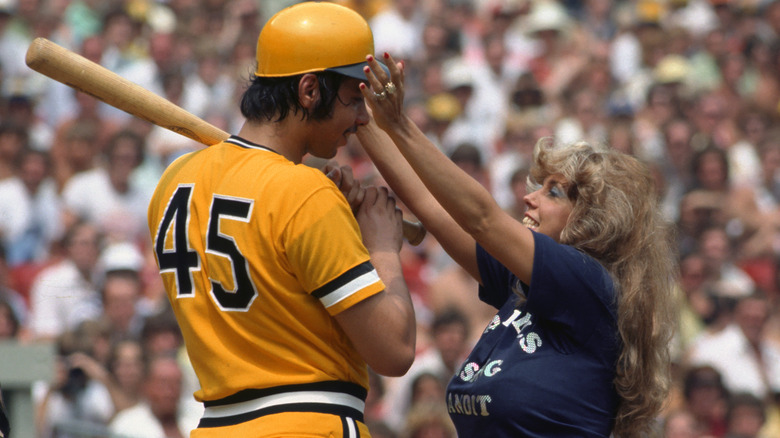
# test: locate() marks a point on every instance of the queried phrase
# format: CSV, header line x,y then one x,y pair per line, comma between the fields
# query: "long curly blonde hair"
x,y
616,220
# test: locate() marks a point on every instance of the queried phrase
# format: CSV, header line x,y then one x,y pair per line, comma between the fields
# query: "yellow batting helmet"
x,y
314,36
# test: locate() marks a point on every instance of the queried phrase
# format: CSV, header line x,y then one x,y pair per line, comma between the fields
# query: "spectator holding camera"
x,y
77,399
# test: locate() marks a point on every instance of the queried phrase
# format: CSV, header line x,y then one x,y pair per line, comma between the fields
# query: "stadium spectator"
x,y
32,192
680,424
745,416
741,353
64,293
706,398
162,411
450,334
126,368
76,400
108,196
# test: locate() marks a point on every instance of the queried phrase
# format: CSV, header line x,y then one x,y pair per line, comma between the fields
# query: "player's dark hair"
x,y
273,99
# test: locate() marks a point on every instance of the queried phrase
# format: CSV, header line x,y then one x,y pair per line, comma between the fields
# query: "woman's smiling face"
x,y
548,207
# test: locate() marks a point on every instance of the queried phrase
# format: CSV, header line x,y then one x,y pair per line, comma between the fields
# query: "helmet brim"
x,y
355,70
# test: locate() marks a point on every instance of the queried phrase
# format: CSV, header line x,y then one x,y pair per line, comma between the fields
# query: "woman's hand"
x,y
385,96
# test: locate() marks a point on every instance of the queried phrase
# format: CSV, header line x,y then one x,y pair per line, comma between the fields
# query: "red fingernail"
x,y
387,55
370,58
366,69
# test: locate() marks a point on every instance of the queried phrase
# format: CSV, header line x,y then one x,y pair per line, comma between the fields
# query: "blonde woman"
x,y
582,284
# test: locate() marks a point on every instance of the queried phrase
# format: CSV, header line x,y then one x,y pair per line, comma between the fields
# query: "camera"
x,y
75,382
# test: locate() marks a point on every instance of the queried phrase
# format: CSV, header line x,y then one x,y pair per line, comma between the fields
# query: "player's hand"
x,y
380,221
384,93
347,184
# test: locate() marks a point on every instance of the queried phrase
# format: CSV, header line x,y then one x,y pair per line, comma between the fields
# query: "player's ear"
x,y
309,91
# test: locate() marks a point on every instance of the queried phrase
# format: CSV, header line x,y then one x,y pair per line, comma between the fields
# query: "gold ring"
x,y
390,88
381,96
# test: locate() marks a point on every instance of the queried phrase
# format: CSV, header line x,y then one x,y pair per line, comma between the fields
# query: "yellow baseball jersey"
x,y
257,254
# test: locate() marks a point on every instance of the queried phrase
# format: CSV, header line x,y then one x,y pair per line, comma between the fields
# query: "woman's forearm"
x,y
464,198
410,189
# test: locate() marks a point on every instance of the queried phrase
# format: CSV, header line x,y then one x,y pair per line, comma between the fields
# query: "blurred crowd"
x,y
691,87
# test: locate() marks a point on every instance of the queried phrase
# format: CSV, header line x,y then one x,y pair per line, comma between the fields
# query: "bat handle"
x,y
414,232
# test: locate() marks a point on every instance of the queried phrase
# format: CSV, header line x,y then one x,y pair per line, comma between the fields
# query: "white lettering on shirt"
x,y
493,368
512,317
471,371
468,404
493,323
520,324
528,342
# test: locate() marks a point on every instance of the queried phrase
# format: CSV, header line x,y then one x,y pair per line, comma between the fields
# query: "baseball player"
x,y
283,295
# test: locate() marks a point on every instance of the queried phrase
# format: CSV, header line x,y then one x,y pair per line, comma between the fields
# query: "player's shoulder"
x,y
312,188
307,173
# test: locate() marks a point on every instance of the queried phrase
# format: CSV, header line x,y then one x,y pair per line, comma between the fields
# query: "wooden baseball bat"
x,y
79,73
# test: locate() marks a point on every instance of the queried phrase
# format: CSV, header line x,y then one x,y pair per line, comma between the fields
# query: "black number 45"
x,y
182,260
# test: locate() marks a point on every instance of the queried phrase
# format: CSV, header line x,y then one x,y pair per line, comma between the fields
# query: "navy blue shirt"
x,y
544,367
